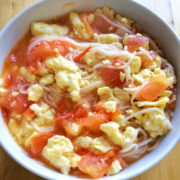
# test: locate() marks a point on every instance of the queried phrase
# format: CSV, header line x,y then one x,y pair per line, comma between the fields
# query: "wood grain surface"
x,y
169,167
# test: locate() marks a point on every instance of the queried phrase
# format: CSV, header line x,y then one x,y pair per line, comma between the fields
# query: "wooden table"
x,y
169,167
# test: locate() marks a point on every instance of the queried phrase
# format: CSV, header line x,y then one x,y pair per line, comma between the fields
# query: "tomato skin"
x,y
39,141
93,165
134,42
153,89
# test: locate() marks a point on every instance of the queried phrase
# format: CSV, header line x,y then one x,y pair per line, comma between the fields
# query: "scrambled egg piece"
x,y
73,129
67,75
16,116
41,28
115,168
161,103
123,20
110,106
120,96
59,152
60,63
143,76
47,79
120,120
27,75
96,145
79,27
107,38
21,130
123,139
135,65
154,122
35,92
106,11
44,114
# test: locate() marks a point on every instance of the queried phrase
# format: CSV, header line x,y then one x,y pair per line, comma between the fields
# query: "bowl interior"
x,y
154,26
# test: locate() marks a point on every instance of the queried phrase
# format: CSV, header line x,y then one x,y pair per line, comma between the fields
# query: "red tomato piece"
x,y
92,123
134,42
38,54
62,105
17,103
63,46
153,89
10,78
39,141
80,112
102,24
94,165
111,75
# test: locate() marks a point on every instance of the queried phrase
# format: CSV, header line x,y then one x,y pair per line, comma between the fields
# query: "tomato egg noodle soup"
x,y
87,94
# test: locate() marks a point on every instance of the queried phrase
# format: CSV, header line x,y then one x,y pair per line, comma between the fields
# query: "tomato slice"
x,y
17,103
38,54
94,165
44,50
102,24
112,75
93,122
63,46
134,42
153,89
39,141
65,120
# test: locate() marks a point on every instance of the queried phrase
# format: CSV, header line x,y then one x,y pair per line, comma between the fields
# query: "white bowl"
x,y
151,23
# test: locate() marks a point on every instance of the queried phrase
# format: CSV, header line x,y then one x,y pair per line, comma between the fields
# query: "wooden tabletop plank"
x,y
168,168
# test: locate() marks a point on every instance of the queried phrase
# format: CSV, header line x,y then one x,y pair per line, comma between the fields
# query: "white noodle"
x,y
89,76
118,25
92,86
142,112
97,66
41,129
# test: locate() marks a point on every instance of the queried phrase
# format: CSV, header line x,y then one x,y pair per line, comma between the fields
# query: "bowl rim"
x,y
139,171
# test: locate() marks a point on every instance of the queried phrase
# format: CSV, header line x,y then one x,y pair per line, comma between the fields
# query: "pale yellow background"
x,y
169,167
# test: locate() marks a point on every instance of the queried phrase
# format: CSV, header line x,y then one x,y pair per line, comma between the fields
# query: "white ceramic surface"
x,y
152,24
